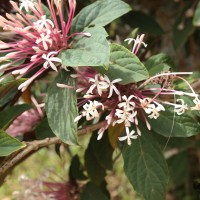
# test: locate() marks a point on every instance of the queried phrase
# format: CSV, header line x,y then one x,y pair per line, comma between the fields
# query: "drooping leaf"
x,y
76,170
103,151
146,23
159,63
43,130
8,115
124,65
5,88
7,99
113,133
178,173
61,108
146,167
9,144
180,36
92,192
94,169
88,51
167,143
174,125
183,27
99,13
196,18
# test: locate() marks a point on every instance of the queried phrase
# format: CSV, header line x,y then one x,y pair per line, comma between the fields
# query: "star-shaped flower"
x,y
129,136
50,59
180,108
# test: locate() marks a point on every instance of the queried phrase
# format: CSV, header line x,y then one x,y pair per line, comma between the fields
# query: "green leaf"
x,y
159,63
182,29
174,125
99,13
88,51
94,169
8,86
8,115
103,151
9,144
146,167
61,108
196,18
43,130
146,23
92,192
124,65
178,174
76,169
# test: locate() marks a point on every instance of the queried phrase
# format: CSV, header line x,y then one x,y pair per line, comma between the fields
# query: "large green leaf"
x,y
92,192
94,169
196,18
178,174
99,13
61,108
159,63
146,23
146,167
88,51
9,144
124,65
76,170
8,115
174,125
43,130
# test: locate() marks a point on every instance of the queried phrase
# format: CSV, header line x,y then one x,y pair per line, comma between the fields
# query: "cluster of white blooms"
x,y
124,104
37,38
124,108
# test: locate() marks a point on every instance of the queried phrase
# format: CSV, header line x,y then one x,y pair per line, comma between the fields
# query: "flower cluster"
x,y
24,123
38,37
45,190
125,104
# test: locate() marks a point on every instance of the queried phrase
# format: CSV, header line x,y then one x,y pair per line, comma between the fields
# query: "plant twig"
x,y
12,160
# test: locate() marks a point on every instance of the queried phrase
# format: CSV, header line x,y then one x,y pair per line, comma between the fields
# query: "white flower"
x,y
154,110
43,23
90,110
197,104
137,43
50,60
145,102
129,136
128,103
102,83
26,4
98,83
112,86
44,38
180,108
126,115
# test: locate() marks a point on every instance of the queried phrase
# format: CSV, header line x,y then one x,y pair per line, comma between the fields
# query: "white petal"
x,y
122,138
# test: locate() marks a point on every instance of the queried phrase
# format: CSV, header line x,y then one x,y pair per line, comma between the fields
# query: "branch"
x,y
12,160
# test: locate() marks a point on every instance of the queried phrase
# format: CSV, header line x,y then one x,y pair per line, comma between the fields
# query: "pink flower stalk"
x,y
24,123
44,190
124,104
37,39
